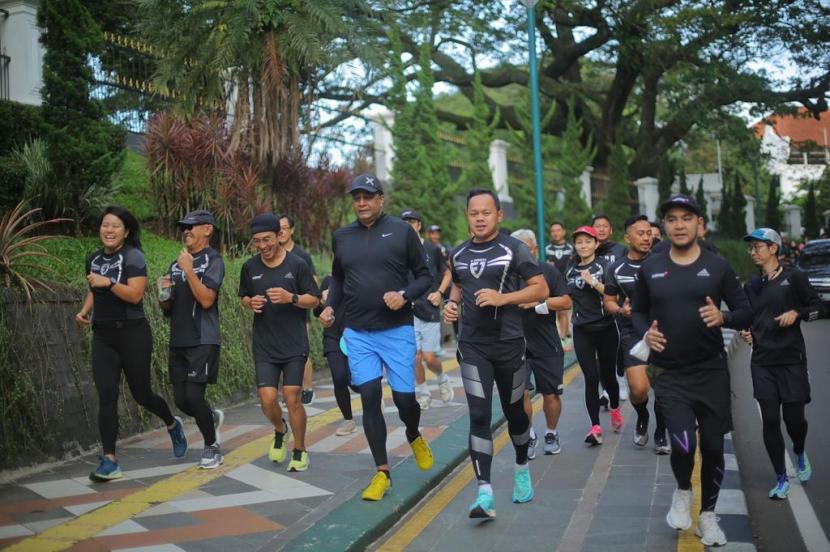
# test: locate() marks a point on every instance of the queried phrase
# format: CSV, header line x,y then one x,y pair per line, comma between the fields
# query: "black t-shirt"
x,y
503,264
672,294
304,255
611,251
190,324
540,329
588,310
280,329
620,282
128,262
791,290
435,262
560,255
332,334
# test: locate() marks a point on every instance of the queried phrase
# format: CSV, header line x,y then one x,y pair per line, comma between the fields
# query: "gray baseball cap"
x,y
767,235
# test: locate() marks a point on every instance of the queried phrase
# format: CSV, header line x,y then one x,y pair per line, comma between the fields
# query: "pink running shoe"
x,y
594,436
616,420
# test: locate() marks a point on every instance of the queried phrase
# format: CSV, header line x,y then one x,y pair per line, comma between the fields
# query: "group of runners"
x,y
638,317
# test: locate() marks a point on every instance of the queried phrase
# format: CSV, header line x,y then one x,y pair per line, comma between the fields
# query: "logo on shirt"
x,y
704,273
257,277
659,275
785,283
289,276
477,266
386,235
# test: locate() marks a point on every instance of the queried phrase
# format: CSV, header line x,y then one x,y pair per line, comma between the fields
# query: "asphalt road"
x,y
779,525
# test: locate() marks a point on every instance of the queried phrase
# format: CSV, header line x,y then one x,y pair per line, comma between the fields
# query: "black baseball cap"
x,y
434,228
680,200
410,214
367,183
630,221
265,222
195,218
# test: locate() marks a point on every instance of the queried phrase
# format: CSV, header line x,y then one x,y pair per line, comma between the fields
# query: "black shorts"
x,y
198,364
268,373
547,372
700,393
783,383
627,340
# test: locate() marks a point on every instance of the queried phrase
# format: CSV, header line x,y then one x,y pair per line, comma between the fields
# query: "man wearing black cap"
x,y
373,258
676,308
434,236
278,287
193,308
619,288
428,322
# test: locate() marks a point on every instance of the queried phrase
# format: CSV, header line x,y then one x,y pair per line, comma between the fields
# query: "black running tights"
x,y
773,439
596,351
190,399
374,424
129,350
681,425
340,376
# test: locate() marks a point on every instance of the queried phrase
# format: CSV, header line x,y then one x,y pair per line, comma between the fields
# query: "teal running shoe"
x,y
178,438
483,507
107,470
781,489
805,470
522,485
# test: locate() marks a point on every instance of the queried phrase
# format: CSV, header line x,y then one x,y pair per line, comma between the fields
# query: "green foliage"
x,y
725,215
574,157
617,204
665,179
37,191
682,180
734,251
772,208
12,181
812,222
132,182
700,197
19,123
738,228
480,133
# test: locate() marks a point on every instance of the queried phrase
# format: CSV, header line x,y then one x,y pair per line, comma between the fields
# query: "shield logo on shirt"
x,y
477,266
105,268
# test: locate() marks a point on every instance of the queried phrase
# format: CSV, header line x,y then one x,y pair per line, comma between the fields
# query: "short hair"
x,y
525,235
601,216
289,218
656,225
554,223
483,191
634,219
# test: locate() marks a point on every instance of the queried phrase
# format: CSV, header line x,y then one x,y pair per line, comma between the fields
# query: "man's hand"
x,y
279,295
394,300
450,312
97,281
711,314
787,319
327,317
526,306
655,339
489,298
587,277
434,298
324,296
625,309
82,319
257,302
746,335
185,261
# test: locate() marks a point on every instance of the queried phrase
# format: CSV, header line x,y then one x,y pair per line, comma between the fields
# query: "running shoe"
x,y
641,431
347,427
218,420
299,461
552,444
446,390
661,444
483,507
616,420
279,445
805,469
211,457
594,436
422,453
709,531
531,446
178,438
380,485
307,396
424,401
678,516
604,401
567,344
781,489
107,470
522,485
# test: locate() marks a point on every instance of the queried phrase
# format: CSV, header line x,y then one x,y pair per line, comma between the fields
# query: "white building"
x,y
21,54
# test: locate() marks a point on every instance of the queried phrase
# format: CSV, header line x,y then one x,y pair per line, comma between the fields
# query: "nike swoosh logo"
x,y
386,235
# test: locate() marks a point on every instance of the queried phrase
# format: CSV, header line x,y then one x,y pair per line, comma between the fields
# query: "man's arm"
x,y
810,305
416,262
739,316
640,305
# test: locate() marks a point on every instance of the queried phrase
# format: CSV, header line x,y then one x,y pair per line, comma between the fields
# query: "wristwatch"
x,y
403,293
113,281
294,299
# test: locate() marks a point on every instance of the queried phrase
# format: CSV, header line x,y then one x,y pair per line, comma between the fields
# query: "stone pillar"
x,y
382,122
792,220
498,168
648,196
750,213
20,40
585,178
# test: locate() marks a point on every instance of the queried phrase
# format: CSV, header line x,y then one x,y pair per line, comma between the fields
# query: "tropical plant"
x,y
19,249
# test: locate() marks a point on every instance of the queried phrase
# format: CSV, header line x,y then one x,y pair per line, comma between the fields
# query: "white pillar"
x,y
648,196
792,220
382,122
498,168
750,213
585,178
20,40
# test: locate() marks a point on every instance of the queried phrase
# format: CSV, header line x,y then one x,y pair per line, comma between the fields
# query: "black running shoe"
x,y
641,431
661,444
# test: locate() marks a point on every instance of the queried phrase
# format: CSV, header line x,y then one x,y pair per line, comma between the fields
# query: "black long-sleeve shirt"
x,y
791,290
436,263
368,262
672,294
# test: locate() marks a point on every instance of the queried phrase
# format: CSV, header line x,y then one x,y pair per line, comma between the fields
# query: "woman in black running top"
x,y
595,336
121,339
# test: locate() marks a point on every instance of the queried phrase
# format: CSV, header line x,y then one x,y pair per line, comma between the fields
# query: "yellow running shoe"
x,y
299,461
279,446
379,486
422,452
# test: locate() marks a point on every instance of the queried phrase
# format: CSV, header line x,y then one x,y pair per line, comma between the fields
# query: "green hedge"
x,y
19,123
734,251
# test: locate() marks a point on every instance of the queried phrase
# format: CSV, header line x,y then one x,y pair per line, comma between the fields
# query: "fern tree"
x,y
479,135
574,157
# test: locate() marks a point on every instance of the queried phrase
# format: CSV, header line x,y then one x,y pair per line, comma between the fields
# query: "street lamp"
x,y
536,119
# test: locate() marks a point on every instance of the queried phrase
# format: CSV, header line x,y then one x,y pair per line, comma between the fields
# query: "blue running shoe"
x,y
781,489
483,507
805,470
522,485
107,470
178,437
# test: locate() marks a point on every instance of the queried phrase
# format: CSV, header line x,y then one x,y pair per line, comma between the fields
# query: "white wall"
x,y
20,36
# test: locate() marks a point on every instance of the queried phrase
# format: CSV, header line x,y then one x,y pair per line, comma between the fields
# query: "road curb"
x,y
356,523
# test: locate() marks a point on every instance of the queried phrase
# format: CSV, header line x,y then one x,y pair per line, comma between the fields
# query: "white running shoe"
x,y
446,390
679,516
425,401
218,420
623,388
346,428
709,531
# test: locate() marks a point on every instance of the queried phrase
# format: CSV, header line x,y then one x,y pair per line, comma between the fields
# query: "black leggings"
x,y
504,364
190,399
596,351
341,376
773,439
374,424
126,349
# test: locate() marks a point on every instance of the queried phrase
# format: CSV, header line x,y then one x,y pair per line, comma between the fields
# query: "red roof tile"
x,y
803,129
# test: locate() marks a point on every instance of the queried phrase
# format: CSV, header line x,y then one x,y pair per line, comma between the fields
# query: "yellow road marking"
x,y
687,541
65,535
428,511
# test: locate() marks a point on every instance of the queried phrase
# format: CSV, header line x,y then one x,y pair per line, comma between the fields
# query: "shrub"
x,y
12,181
19,124
734,251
